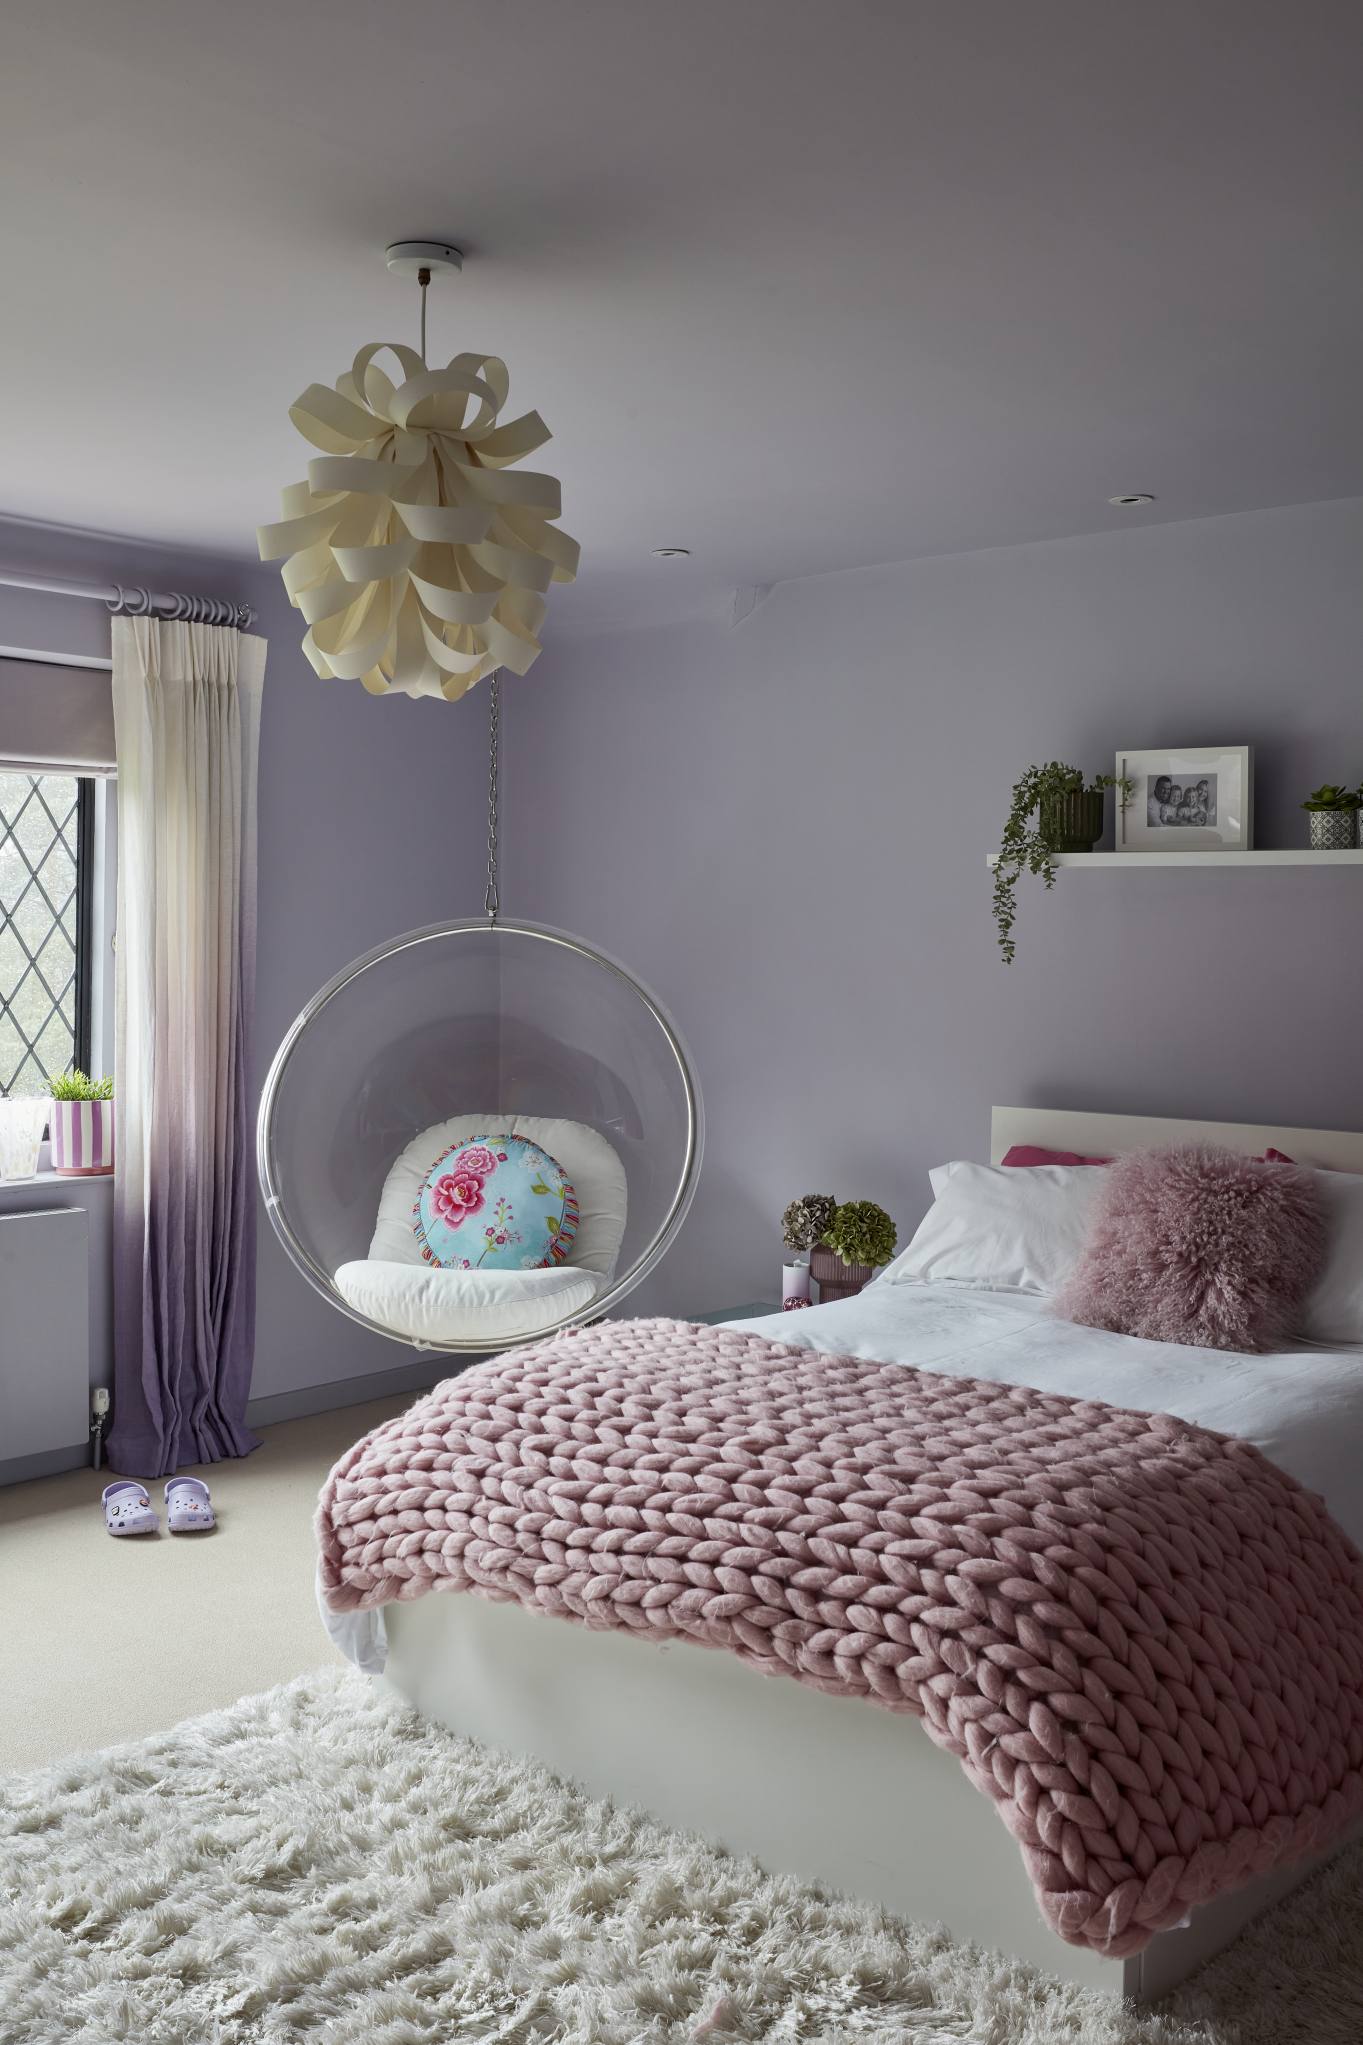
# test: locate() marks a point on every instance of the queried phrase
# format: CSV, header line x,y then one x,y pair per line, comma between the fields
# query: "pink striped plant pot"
x,y
82,1134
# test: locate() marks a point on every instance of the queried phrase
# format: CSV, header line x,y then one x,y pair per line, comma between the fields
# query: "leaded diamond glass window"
x,y
44,859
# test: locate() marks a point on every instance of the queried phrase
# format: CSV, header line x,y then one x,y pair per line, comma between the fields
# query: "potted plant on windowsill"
x,y
1333,811
81,1126
1069,818
857,1242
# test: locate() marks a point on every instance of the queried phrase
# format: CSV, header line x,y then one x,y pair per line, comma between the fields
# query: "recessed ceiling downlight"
x,y
671,553
1132,497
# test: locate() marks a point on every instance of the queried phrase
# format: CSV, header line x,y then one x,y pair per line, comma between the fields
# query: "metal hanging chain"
x,y
492,900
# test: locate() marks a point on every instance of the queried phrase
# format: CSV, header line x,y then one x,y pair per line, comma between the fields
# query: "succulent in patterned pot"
x,y
1333,810
81,1125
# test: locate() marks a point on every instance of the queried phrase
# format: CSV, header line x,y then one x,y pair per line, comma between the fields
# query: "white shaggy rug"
x,y
318,1864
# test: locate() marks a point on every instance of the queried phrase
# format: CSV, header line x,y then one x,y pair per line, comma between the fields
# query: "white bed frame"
x,y
825,1787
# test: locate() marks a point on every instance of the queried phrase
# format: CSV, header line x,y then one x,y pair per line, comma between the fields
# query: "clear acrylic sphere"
x,y
463,1019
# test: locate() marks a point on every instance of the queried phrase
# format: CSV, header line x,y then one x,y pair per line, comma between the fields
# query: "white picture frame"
x,y
1187,799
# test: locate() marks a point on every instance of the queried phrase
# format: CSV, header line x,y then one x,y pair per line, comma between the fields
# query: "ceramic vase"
x,y
794,1285
21,1136
1072,823
1332,830
835,1279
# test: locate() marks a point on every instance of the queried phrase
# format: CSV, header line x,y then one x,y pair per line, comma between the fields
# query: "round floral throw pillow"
x,y
495,1203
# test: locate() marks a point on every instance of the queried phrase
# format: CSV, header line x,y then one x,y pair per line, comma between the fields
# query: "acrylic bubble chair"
x,y
444,1038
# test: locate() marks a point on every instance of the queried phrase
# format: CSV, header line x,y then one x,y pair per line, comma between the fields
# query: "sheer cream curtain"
x,y
187,729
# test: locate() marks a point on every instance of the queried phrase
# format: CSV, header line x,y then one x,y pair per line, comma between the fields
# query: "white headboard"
x,y
1336,1150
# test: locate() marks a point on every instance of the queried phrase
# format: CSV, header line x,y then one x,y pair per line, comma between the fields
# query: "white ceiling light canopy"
x,y
1132,499
417,553
410,258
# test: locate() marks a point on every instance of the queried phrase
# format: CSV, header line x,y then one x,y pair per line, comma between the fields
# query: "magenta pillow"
x,y
1199,1245
1028,1154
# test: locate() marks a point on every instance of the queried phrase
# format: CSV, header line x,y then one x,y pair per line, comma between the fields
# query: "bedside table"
x,y
748,1312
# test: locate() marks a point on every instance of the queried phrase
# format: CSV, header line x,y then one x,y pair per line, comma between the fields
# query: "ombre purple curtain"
x,y
187,732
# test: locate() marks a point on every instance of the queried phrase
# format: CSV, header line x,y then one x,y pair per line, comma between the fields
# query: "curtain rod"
x,y
133,602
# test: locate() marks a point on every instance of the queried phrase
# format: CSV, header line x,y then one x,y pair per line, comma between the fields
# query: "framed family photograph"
x,y
1189,799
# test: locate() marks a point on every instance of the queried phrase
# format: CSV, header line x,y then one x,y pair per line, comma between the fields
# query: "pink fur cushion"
x,y
1199,1245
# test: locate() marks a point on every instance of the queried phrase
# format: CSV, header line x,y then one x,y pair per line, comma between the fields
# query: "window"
x,y
46,875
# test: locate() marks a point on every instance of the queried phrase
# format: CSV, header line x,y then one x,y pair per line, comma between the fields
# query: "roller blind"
x,y
55,718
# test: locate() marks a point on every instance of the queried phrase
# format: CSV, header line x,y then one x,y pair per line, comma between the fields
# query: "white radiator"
x,y
44,1331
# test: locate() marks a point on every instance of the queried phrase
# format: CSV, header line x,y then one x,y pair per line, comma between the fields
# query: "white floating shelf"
x,y
1277,858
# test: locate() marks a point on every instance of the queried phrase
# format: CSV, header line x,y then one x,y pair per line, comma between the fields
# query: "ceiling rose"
x,y
417,553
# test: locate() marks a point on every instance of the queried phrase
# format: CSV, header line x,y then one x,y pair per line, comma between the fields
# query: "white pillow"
x,y
1334,1311
427,1304
592,1164
1001,1228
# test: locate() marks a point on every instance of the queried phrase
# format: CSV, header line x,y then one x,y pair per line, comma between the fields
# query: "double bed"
x,y
821,1785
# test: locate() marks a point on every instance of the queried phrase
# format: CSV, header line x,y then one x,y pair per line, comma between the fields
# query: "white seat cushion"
x,y
429,1305
597,1175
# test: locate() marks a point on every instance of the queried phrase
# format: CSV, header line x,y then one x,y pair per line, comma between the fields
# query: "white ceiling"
x,y
799,284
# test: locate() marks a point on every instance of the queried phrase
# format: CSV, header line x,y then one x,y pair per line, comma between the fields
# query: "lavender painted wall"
x,y
783,827
371,822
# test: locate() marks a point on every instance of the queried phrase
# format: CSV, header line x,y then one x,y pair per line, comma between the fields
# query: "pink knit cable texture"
x,y
1140,1638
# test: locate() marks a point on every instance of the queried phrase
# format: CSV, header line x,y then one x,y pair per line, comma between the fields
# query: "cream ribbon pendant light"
x,y
418,554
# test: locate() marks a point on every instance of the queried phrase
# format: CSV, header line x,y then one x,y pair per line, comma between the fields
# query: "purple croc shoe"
x,y
189,1509
127,1508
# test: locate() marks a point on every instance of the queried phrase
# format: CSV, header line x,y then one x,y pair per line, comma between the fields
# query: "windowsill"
x,y
45,1179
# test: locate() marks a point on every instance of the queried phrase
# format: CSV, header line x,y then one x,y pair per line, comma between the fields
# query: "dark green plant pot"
x,y
1072,823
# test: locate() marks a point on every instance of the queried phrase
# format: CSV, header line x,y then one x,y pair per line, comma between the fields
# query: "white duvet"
x,y
1303,1407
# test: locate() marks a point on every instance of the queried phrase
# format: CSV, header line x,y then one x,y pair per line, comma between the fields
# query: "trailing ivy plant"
x,y
1026,848
78,1086
861,1233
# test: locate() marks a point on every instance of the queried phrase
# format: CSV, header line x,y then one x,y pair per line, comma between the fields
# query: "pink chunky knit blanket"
x,y
1139,1637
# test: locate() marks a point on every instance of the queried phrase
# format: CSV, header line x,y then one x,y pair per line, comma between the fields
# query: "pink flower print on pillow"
x,y
499,1231
478,1160
495,1203
457,1195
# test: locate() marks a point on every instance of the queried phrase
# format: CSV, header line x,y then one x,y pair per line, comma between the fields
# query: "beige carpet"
x,y
106,1640
319,1864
